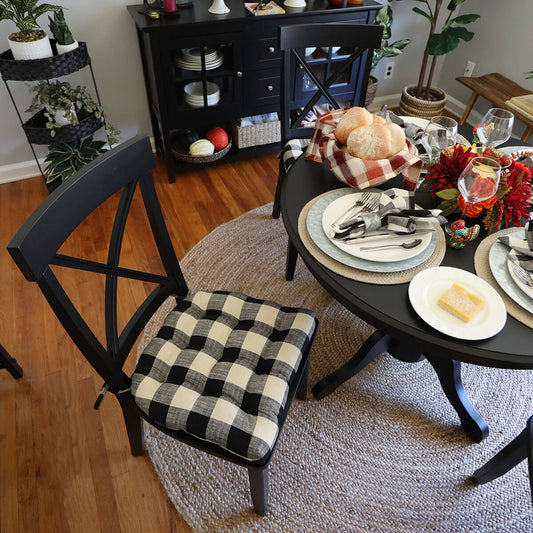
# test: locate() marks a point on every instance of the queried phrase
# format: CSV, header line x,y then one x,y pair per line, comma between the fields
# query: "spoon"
x,y
413,243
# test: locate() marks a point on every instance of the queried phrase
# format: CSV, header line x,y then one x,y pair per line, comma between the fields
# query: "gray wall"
x,y
503,43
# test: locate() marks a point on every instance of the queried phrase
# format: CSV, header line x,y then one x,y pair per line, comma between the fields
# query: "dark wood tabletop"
x,y
387,307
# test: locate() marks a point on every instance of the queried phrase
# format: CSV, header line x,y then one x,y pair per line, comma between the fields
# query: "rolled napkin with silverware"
x,y
523,246
396,213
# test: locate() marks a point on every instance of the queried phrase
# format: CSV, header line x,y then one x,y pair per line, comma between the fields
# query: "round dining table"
x,y
400,331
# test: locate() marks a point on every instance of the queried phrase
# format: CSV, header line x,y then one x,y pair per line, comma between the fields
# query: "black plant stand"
x,y
10,364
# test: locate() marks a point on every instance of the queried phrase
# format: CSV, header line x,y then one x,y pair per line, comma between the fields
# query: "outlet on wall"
x,y
389,69
469,68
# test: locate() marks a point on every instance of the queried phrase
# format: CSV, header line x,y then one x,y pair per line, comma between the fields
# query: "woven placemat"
x,y
382,278
481,264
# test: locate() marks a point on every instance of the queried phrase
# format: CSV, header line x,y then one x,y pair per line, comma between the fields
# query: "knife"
x,y
378,236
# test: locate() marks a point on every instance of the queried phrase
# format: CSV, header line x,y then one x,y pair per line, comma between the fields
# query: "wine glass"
x,y
495,127
477,182
440,134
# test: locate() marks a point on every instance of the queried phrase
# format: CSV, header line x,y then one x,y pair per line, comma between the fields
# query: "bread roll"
x,y
377,141
355,117
378,120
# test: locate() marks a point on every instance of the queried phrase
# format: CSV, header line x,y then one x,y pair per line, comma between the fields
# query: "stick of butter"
x,y
461,303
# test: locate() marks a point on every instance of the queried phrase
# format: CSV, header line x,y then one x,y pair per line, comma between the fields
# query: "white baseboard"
x,y
20,171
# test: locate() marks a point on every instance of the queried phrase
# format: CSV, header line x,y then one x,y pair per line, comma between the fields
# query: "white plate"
x,y
385,255
429,285
422,123
528,291
515,149
314,227
498,266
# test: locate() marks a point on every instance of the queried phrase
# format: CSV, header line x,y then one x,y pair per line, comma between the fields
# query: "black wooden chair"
x,y
10,364
519,449
308,81
222,371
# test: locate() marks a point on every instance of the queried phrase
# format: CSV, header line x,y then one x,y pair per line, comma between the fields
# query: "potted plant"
x,y
423,100
61,32
64,159
383,17
64,104
30,42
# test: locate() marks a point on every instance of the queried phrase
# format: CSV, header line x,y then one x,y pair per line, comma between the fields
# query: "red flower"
x,y
515,205
474,210
444,174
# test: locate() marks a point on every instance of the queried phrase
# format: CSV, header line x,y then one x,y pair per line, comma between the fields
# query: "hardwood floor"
x,y
65,467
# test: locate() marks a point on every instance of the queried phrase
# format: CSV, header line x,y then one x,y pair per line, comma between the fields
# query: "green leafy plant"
x,y
59,28
440,42
64,159
529,75
384,17
58,95
24,13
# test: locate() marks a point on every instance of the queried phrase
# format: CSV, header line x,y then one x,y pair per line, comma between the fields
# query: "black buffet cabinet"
x,y
237,53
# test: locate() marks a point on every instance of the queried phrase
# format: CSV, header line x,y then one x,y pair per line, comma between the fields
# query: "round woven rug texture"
x,y
384,453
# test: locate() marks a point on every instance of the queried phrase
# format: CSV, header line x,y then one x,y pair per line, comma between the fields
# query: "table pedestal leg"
x,y
376,344
449,374
515,452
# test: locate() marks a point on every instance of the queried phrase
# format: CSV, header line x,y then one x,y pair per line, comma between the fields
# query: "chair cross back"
x,y
360,39
35,249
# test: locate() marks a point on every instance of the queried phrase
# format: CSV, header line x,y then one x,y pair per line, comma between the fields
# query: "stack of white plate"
x,y
194,93
191,58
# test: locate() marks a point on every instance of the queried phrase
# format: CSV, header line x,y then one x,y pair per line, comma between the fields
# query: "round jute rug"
x,y
383,454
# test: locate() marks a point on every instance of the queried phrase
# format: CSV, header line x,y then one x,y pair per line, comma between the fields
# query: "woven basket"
x,y
45,68
182,155
416,107
256,134
38,133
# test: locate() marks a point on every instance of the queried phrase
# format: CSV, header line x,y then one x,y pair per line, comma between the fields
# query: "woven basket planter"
x,y
45,68
416,107
37,132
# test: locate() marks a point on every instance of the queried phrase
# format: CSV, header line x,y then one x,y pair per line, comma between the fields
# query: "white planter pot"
x,y
31,50
63,48
62,120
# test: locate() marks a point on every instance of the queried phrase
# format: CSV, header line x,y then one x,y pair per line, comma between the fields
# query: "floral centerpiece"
x,y
505,208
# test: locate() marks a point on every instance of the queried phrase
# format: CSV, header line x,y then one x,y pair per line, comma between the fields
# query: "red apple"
x,y
218,137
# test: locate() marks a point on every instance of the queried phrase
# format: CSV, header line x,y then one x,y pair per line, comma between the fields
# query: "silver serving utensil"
x,y
522,274
379,236
359,204
413,243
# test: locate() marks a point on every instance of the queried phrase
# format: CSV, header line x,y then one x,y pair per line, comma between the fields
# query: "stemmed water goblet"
x,y
495,127
440,134
477,182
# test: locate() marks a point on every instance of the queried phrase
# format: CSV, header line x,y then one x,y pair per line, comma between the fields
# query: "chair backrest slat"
x,y
360,39
34,248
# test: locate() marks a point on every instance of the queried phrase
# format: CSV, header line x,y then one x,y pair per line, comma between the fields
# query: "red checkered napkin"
x,y
355,172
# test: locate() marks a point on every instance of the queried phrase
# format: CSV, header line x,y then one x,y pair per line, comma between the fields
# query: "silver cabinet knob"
x,y
270,88
271,49
239,74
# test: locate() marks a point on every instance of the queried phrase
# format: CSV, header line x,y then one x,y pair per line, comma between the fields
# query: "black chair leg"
x,y
276,209
134,423
290,266
10,364
259,488
301,391
520,448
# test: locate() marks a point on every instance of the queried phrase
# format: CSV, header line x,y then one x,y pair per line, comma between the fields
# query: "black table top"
x,y
387,307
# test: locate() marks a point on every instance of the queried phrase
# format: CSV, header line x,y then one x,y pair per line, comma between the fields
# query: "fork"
x,y
522,274
367,202
370,205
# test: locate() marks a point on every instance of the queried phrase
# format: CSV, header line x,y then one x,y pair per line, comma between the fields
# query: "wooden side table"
x,y
497,89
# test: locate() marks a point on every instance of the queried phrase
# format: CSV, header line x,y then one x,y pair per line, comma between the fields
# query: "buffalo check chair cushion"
x,y
220,369
291,151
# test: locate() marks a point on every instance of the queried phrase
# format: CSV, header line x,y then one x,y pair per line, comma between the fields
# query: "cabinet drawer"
x,y
263,86
266,53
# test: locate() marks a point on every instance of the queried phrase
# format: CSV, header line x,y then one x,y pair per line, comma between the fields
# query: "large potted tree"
x,y
30,42
423,100
384,18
